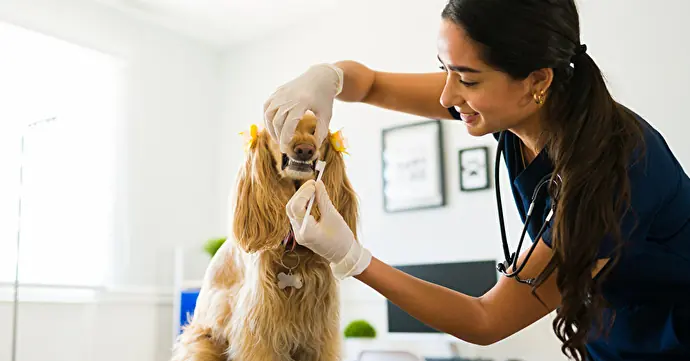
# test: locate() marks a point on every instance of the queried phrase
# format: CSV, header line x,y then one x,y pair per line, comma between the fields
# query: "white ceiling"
x,y
222,23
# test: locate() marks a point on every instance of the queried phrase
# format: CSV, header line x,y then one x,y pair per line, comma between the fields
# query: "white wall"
x,y
166,185
643,59
135,329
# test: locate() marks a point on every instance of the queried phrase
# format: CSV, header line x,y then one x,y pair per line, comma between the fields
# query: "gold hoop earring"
x,y
539,98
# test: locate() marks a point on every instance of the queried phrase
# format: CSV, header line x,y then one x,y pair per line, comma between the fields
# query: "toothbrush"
x,y
320,165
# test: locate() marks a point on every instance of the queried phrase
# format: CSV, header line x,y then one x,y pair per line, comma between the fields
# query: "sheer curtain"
x,y
65,204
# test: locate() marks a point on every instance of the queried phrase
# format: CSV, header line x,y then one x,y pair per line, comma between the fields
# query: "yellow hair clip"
x,y
251,136
338,142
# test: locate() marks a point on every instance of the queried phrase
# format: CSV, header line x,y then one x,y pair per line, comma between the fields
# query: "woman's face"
x,y
488,100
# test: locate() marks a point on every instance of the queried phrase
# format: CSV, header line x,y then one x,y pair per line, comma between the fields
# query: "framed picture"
x,y
474,168
413,176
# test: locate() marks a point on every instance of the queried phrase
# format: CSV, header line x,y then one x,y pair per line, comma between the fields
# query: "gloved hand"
x,y
314,90
331,237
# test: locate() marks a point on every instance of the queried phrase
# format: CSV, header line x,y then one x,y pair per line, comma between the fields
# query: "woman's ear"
x,y
260,221
540,80
339,188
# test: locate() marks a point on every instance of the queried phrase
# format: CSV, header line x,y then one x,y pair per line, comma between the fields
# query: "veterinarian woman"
x,y
615,256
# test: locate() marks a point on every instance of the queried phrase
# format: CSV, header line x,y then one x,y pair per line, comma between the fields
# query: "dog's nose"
x,y
304,151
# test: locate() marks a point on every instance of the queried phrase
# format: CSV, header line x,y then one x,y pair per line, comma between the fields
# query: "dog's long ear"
x,y
339,187
260,220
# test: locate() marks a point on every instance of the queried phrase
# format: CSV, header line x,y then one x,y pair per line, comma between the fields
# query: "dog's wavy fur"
x,y
241,314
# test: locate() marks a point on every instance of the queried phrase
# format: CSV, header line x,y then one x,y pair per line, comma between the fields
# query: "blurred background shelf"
x,y
190,265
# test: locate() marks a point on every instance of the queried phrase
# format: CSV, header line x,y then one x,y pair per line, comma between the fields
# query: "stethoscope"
x,y
511,259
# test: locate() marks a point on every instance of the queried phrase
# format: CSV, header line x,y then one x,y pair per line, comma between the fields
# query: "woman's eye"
x,y
467,83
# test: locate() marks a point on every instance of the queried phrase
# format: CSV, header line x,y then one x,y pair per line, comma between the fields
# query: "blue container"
x,y
187,304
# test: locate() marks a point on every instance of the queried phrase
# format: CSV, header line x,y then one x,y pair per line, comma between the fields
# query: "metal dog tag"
x,y
289,280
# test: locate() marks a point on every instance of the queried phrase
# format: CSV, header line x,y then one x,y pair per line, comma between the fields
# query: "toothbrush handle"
x,y
310,204
304,221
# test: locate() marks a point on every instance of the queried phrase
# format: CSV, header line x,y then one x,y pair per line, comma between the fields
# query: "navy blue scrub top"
x,y
649,287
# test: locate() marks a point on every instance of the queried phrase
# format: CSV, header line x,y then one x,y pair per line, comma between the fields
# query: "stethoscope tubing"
x,y
511,259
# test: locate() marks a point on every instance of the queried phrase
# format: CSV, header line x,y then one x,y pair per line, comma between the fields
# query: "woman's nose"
x,y
450,96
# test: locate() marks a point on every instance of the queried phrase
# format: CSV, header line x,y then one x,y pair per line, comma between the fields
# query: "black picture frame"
x,y
412,166
473,168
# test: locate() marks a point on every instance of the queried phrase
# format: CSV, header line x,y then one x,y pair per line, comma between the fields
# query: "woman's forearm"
x,y
357,81
441,308
412,93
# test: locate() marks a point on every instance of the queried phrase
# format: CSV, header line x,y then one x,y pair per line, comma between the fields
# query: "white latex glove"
x,y
313,90
331,237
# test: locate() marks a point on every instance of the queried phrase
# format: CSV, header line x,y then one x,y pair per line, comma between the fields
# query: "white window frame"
x,y
83,93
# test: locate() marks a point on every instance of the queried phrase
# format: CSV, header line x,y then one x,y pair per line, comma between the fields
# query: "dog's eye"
x,y
312,131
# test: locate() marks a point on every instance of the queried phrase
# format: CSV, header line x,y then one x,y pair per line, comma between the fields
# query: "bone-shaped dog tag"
x,y
289,280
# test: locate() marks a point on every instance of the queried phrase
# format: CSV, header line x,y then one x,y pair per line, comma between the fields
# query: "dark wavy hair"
x,y
591,139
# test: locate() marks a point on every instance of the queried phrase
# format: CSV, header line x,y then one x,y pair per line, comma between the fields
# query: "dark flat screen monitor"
x,y
471,278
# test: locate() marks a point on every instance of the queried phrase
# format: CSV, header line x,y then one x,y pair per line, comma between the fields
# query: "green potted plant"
x,y
213,245
359,336
359,329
